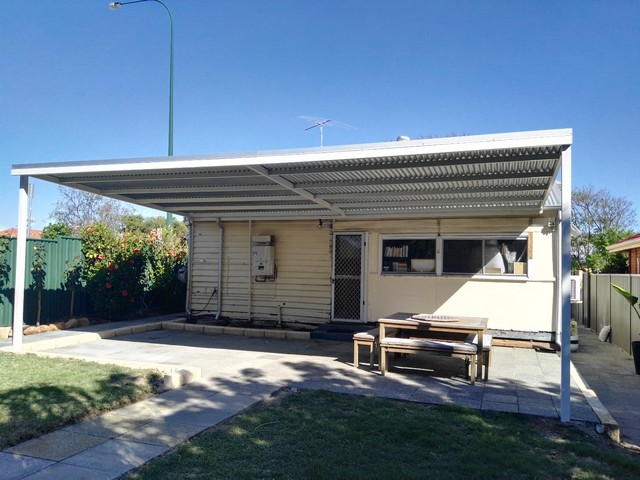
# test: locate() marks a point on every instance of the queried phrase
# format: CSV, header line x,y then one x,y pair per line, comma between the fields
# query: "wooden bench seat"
x,y
468,351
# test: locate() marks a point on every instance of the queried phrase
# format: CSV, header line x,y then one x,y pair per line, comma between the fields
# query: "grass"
x,y
39,395
323,435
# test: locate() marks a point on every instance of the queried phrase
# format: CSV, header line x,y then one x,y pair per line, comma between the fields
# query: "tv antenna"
x,y
320,124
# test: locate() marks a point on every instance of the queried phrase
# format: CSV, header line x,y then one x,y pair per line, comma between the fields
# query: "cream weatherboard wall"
x,y
510,302
301,291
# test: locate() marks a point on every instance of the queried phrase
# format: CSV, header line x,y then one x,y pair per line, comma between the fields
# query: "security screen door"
x,y
348,277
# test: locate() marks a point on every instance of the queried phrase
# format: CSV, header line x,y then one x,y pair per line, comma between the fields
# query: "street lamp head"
x,y
115,5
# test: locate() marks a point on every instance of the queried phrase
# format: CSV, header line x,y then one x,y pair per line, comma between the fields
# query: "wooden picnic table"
x,y
425,323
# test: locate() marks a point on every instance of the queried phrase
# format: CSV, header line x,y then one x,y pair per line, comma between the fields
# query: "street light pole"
x,y
116,6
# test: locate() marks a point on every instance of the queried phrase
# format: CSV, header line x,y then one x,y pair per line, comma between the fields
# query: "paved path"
x,y
610,373
238,371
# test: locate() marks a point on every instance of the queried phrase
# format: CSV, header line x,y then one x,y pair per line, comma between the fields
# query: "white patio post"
x,y
564,299
21,263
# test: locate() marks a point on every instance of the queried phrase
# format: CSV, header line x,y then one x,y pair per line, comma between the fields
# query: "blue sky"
x,y
79,81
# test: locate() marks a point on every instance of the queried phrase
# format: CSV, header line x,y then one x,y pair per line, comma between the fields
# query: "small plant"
x,y
573,329
39,273
5,268
635,345
73,278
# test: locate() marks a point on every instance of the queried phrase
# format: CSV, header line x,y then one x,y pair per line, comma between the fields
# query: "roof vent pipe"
x,y
402,138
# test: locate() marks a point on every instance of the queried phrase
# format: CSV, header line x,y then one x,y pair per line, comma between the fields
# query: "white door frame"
x,y
363,279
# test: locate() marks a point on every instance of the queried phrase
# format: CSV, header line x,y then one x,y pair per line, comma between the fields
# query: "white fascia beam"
x,y
532,139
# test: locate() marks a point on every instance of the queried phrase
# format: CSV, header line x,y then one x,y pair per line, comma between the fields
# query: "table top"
x,y
422,320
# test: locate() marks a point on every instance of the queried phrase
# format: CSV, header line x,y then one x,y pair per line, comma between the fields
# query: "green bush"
x,y
129,272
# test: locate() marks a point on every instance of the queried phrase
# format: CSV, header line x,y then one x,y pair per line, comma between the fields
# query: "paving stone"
x,y
107,425
61,471
15,466
57,445
497,397
163,432
204,416
426,397
116,456
500,407
583,413
467,402
538,410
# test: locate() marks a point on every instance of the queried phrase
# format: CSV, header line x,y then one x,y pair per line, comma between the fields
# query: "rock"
x,y
5,332
44,329
71,323
84,322
30,330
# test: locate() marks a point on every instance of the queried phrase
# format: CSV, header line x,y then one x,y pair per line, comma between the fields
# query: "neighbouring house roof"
x,y
513,173
625,244
13,232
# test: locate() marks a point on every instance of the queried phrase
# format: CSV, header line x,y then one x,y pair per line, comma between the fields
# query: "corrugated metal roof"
x,y
505,174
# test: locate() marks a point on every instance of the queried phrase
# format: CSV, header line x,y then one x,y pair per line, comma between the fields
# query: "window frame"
x,y
440,241
408,238
484,237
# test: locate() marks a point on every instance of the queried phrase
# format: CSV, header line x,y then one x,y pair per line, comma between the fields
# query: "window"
x,y
409,255
484,256
462,255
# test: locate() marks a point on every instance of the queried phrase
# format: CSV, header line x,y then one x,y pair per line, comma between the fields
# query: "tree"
x,y
601,217
55,230
79,209
139,224
603,261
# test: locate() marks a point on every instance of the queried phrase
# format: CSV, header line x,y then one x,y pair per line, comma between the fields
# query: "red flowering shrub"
x,y
127,272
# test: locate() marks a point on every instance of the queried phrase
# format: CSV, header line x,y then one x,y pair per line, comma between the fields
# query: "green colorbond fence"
x,y
56,298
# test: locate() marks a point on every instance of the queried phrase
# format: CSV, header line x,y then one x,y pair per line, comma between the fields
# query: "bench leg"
x,y
487,361
384,358
371,347
472,369
356,353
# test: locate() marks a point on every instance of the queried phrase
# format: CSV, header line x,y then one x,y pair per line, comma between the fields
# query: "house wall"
x,y
634,261
510,303
302,288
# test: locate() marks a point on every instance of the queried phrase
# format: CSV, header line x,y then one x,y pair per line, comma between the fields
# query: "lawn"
x,y
314,434
324,435
39,394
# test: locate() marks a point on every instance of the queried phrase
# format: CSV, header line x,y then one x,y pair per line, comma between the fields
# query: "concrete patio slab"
x,y
239,371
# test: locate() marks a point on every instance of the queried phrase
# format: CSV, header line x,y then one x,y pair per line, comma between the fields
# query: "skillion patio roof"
x,y
505,174
485,175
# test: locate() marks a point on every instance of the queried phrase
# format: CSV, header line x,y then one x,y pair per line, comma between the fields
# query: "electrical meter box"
x,y
262,253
